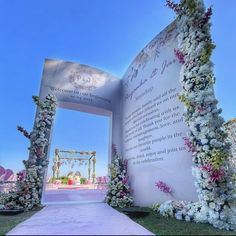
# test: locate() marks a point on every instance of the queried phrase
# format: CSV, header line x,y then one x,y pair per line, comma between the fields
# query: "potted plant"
x,y
9,207
5,210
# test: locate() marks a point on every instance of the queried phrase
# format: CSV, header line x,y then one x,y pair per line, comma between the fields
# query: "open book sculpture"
x,y
147,123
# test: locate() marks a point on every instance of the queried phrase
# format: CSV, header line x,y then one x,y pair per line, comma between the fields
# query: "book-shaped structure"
x,y
147,123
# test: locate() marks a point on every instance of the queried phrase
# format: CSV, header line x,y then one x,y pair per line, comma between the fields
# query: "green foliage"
x,y
206,52
191,5
9,222
186,102
218,156
83,180
37,101
64,179
155,206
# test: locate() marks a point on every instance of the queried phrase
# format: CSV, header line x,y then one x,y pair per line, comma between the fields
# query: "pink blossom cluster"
x,y
125,163
125,180
174,6
22,130
39,151
188,144
5,174
122,193
21,175
215,174
208,168
163,187
208,14
201,109
205,19
179,55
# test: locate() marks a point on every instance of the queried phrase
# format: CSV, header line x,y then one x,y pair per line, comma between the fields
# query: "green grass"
x,y
9,222
160,225
154,222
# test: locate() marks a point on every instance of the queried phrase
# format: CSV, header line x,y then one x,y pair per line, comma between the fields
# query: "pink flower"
x,y
125,180
8,174
174,6
163,187
201,109
179,55
125,163
22,130
21,175
208,14
216,175
39,151
200,23
208,168
2,171
189,145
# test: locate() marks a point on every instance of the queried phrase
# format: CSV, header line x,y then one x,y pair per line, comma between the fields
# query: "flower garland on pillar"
x,y
119,192
207,138
30,184
230,127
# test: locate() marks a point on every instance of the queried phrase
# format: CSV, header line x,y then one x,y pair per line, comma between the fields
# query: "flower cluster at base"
x,y
207,138
196,212
30,182
119,192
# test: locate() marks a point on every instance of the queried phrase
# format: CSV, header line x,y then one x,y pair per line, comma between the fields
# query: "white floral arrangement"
x,y
119,192
230,127
207,138
30,182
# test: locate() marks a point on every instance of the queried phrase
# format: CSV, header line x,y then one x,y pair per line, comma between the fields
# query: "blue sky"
x,y
106,34
74,130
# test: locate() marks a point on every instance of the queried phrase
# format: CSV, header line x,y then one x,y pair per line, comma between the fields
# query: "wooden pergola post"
x,y
56,164
89,169
94,169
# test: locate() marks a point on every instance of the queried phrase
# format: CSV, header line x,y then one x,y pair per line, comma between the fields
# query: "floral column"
x,y
207,138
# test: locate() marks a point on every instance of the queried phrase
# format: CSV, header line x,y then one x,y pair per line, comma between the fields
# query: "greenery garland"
x,y
207,138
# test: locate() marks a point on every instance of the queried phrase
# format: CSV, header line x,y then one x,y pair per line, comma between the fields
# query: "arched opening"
x,y
79,155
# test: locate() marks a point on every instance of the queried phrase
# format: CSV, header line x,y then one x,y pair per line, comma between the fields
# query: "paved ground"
x,y
79,219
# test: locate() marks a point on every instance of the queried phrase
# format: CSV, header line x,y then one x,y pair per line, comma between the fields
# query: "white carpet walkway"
x,y
79,219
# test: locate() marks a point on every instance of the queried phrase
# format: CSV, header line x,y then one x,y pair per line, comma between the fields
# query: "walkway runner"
x,y
79,219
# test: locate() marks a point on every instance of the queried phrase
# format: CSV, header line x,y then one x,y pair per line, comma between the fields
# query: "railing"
x,y
7,186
